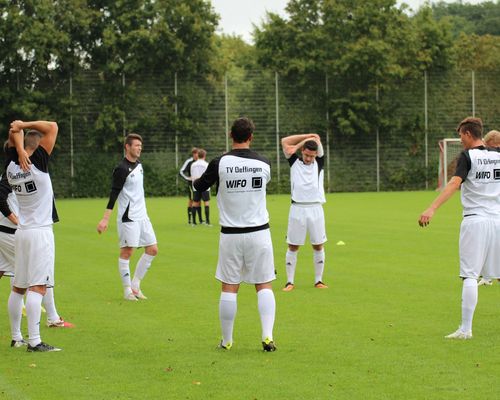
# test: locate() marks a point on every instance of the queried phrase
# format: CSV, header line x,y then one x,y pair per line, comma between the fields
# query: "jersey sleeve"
x,y
5,190
185,170
119,176
40,159
321,162
209,177
292,159
463,165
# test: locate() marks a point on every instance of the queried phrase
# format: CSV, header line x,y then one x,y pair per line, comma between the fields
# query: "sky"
x,y
237,16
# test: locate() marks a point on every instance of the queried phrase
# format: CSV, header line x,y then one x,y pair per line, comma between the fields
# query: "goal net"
x,y
449,150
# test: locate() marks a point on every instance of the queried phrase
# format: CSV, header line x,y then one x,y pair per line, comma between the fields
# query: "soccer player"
x,y
134,227
491,139
245,247
185,173
479,243
8,225
197,169
28,176
306,211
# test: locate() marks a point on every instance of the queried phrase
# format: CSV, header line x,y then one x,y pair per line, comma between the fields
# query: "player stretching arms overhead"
x,y
478,174
28,175
245,247
306,210
134,227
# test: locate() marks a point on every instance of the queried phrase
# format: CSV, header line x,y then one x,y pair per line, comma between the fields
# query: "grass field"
x,y
377,333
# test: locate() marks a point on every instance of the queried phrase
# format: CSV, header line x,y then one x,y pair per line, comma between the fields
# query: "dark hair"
x,y
472,125
242,129
131,137
194,150
310,145
32,139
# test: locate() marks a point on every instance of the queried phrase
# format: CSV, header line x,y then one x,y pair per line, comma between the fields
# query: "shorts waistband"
x,y
231,230
6,229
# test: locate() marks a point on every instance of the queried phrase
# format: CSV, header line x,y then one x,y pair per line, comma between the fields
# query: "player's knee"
x,y
152,250
293,247
317,247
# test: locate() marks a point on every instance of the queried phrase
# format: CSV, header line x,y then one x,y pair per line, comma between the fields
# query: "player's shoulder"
x,y
248,154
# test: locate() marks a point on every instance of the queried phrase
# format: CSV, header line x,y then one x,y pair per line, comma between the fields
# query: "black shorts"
x,y
205,196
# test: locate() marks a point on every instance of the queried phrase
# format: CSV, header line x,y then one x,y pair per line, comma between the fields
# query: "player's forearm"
x,y
44,127
17,138
107,214
448,191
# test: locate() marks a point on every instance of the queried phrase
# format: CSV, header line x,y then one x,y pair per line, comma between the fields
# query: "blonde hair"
x,y
492,139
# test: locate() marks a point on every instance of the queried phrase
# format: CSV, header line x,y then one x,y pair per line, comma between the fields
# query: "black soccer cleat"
x,y
42,347
268,345
18,343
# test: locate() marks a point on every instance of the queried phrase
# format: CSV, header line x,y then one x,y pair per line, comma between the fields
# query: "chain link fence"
x,y
174,114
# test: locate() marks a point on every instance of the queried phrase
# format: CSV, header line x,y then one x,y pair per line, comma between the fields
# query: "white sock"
x,y
33,313
124,270
15,307
267,311
291,263
141,269
227,313
469,302
319,264
50,305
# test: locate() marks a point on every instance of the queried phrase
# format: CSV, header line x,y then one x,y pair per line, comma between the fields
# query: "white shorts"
x,y
480,247
34,249
306,218
246,257
7,241
136,233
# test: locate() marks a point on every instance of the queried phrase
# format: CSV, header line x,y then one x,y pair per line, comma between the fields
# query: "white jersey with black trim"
x,y
241,177
33,190
128,189
197,169
479,169
307,180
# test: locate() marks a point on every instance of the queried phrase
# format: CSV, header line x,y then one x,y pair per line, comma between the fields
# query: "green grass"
x,y
377,333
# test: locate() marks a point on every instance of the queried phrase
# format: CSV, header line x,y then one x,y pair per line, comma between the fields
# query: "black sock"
x,y
198,210
189,214
193,213
207,214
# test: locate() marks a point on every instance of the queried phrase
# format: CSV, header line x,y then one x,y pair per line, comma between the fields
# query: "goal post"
x,y
449,150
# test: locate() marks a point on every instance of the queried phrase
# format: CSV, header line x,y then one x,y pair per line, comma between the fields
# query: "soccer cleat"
x,y
130,296
18,343
226,346
60,324
42,347
138,294
268,345
486,282
460,334
288,287
320,285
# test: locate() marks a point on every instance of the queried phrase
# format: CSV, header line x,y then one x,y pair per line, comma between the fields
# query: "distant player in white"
x,y
185,173
478,175
306,211
198,167
134,227
491,139
28,176
245,246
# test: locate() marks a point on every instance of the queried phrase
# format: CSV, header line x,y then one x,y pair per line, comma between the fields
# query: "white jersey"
x,y
128,189
307,180
479,169
197,169
33,190
241,177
